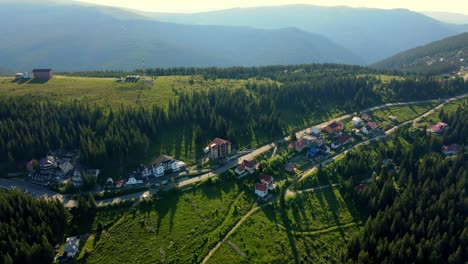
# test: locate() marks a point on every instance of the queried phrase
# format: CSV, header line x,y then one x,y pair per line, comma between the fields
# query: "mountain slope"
x,y
448,17
373,34
440,56
77,37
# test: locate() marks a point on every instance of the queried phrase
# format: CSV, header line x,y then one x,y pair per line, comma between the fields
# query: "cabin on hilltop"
x,y
43,73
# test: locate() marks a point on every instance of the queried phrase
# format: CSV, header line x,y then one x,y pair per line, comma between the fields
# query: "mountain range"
x,y
438,57
78,37
372,34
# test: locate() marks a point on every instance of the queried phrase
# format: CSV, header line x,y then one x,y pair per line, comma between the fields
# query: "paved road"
x,y
36,191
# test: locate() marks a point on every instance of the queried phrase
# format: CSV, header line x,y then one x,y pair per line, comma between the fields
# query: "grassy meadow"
x,y
311,227
177,227
106,92
403,114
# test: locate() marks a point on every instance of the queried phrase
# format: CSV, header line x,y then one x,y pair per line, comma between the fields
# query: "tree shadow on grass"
x,y
333,203
164,206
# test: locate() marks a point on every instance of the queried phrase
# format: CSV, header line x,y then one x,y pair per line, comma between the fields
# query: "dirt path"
x,y
249,213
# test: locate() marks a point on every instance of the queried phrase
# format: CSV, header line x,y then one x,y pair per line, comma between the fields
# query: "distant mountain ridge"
x,y
438,57
448,17
372,34
82,38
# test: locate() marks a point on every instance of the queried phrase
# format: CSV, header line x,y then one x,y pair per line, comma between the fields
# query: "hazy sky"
x,y
188,6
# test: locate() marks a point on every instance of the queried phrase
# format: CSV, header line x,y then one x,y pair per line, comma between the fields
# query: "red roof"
x,y
162,158
120,183
360,187
261,187
219,141
247,164
266,178
372,124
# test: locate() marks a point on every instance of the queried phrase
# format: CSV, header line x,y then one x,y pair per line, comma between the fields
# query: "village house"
x,y
261,190
312,141
357,121
109,183
246,167
312,153
72,246
218,148
340,141
451,149
334,127
48,163
165,164
43,74
120,184
365,118
132,181
268,181
439,128
66,167
369,127
298,145
315,131
393,118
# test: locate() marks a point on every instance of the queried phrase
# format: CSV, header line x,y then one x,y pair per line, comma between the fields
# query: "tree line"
x,y
29,228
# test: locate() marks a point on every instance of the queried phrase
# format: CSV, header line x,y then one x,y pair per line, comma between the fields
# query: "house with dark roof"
x,y
451,149
43,74
334,127
218,148
340,141
165,164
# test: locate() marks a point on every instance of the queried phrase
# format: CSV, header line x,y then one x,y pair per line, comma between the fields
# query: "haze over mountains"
x,y
79,37
373,34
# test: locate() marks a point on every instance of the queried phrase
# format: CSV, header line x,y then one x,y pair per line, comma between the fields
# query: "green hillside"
x,y
438,57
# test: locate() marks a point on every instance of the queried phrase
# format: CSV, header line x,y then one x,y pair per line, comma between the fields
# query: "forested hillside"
x,y
255,113
417,200
438,57
29,228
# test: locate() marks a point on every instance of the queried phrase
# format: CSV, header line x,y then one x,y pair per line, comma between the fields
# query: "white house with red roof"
x,y
246,167
261,189
369,127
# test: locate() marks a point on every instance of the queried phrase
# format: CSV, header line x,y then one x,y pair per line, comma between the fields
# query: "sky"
x,y
191,6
